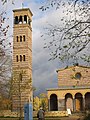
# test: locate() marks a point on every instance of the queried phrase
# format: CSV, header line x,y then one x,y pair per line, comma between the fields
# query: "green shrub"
x,y
87,117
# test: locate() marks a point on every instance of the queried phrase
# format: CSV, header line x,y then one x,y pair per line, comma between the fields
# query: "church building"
x,y
73,90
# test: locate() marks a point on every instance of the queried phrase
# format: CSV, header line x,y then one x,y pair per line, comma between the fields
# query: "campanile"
x,y
22,58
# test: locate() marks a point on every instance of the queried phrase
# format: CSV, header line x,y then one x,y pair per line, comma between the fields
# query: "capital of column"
x,y
83,96
73,96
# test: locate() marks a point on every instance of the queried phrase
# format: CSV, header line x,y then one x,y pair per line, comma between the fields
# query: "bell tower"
x,y
22,58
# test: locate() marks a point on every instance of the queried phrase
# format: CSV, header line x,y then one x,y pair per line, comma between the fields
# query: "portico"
x,y
74,96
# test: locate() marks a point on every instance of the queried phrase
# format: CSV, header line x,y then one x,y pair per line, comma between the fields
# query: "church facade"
x,y
73,90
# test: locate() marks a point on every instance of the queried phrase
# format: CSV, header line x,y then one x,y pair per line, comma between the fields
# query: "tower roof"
x,y
23,9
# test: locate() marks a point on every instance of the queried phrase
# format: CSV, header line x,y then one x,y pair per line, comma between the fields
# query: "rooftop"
x,y
69,88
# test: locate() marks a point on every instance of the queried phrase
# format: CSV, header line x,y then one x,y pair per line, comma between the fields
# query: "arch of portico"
x,y
75,99
78,102
69,101
53,102
87,100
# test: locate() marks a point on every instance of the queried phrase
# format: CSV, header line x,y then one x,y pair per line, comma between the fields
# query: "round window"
x,y
78,75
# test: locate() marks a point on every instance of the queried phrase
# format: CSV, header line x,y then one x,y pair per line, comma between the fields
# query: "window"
x,y
20,58
29,21
17,58
25,18
20,19
20,77
78,75
16,20
24,38
17,38
20,38
23,57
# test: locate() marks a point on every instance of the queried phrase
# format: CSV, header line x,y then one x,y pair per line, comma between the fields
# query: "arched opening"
x,y
20,58
16,58
69,101
17,39
23,57
25,19
78,102
24,38
87,101
20,19
53,102
20,38
16,20
29,21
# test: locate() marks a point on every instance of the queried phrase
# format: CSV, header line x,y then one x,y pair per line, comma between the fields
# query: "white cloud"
x,y
44,71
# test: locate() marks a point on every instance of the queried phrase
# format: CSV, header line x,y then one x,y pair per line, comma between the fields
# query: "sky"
x,y
44,71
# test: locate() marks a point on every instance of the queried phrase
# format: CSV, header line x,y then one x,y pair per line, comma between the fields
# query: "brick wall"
x,y
66,77
22,58
8,113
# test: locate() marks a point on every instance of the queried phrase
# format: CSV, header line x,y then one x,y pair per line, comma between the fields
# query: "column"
x,y
83,103
48,104
58,105
61,104
74,104
22,19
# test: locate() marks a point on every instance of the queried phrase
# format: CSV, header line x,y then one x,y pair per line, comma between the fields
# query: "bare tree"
x,y
5,49
18,87
69,41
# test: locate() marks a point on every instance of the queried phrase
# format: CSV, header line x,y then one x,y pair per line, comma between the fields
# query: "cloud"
x,y
44,71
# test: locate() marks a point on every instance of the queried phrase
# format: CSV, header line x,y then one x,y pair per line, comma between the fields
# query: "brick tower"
x,y
22,58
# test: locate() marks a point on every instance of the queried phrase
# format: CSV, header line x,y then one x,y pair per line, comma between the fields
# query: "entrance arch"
x,y
87,101
69,101
53,102
78,102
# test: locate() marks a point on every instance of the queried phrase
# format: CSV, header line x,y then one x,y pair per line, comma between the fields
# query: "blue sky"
x,y
44,71
39,1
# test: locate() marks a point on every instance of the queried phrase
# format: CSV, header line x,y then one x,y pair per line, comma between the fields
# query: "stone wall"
x,y
8,113
53,113
74,76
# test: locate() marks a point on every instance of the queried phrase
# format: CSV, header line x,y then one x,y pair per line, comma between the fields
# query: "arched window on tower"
x,y
20,20
20,38
24,38
16,58
17,38
20,58
25,19
23,57
29,21
16,20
